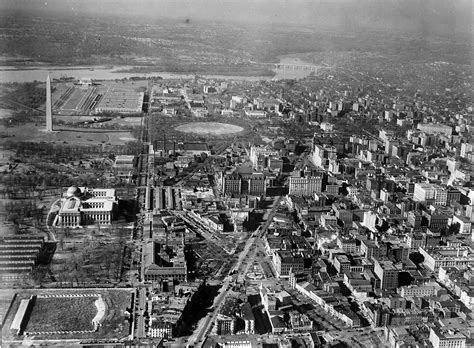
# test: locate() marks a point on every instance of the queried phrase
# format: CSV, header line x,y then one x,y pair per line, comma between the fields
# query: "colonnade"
x,y
87,218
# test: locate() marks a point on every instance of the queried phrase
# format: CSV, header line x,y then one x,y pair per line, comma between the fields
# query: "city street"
x,y
205,324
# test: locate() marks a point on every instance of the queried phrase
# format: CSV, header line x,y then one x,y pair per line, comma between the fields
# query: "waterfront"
x,y
102,72
39,73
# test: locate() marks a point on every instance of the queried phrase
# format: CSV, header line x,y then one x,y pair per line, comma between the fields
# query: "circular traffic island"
x,y
209,128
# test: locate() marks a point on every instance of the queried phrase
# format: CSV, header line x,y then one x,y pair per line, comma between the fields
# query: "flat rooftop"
x,y
121,99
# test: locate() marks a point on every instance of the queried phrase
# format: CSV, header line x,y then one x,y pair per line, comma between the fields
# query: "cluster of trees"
x,y
30,94
52,151
132,147
26,185
93,260
19,186
66,41
101,164
17,212
62,153
21,117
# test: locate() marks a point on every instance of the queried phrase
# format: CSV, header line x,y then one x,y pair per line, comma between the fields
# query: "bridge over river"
x,y
296,66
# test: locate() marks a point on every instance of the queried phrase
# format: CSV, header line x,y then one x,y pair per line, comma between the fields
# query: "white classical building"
x,y
84,206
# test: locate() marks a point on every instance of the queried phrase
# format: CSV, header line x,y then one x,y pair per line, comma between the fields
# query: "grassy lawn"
x,y
115,324
62,314
75,313
209,128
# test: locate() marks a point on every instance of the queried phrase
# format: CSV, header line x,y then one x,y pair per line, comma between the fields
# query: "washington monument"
x,y
49,113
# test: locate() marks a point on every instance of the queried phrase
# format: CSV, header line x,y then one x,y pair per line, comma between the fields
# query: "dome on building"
x,y
73,191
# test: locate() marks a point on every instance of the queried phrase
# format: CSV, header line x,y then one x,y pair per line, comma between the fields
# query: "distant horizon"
x,y
430,17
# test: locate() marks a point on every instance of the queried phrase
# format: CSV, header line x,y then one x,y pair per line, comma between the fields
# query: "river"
x,y
101,72
39,73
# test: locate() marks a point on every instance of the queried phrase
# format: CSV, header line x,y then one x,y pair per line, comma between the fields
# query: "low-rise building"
x,y
330,304
299,322
124,166
427,290
328,221
18,256
357,283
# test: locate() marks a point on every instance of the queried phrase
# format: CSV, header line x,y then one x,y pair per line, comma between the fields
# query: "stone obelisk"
x,y
49,112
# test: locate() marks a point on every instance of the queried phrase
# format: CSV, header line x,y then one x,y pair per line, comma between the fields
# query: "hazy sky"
x,y
424,16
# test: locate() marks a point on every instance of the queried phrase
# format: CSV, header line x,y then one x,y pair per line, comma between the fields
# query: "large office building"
x,y
121,101
260,156
226,320
160,264
446,338
84,206
425,192
304,185
232,183
286,261
438,219
244,183
445,256
426,290
323,154
435,128
387,273
249,319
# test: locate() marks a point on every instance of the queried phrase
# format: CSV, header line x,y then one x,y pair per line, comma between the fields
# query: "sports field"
x,y
62,314
209,128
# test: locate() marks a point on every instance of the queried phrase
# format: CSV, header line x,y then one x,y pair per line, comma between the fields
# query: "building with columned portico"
x,y
84,206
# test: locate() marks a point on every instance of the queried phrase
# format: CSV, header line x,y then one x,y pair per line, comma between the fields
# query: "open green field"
x,y
72,313
80,136
209,128
62,314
